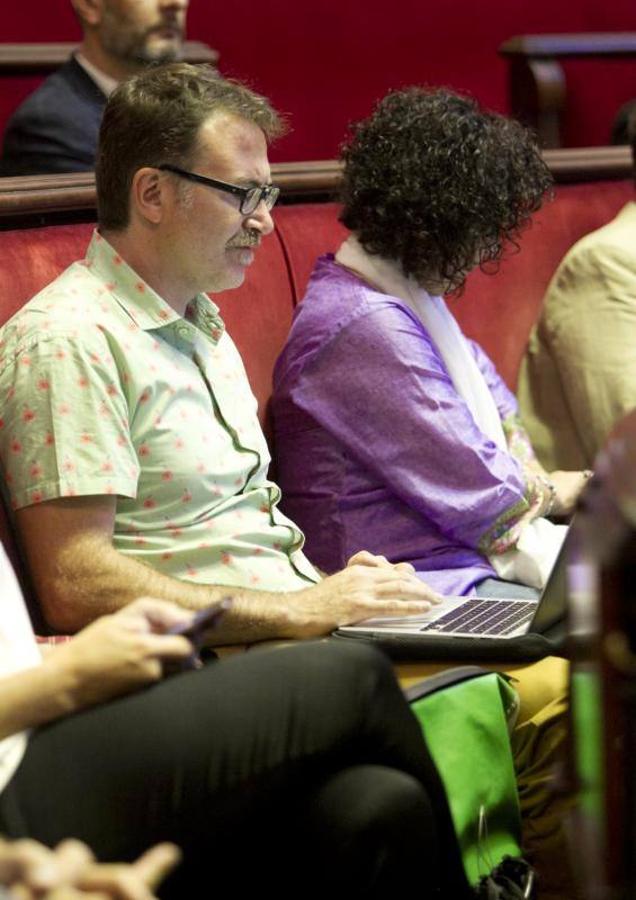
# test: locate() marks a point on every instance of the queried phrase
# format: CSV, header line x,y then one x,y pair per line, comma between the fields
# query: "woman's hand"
x,y
568,486
118,653
70,872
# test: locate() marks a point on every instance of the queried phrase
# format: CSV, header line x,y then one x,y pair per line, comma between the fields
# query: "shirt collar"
x,y
143,304
104,82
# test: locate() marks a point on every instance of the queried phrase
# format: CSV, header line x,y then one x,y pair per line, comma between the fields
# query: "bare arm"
x,y
113,656
79,576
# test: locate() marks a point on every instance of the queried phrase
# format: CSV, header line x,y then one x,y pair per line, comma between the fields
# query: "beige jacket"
x,y
579,374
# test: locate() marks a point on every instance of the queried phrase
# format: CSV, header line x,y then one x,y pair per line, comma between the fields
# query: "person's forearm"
x,y
93,579
34,697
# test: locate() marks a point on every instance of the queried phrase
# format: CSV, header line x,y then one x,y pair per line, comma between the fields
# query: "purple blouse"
x,y
376,449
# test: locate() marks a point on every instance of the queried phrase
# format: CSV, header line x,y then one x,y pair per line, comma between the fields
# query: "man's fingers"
x,y
392,609
405,587
404,567
365,558
156,863
71,859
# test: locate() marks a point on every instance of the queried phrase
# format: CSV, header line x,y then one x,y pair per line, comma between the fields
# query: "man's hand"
x,y
364,558
365,589
568,487
118,653
69,872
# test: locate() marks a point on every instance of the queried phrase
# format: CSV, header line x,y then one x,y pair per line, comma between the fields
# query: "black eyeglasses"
x,y
250,196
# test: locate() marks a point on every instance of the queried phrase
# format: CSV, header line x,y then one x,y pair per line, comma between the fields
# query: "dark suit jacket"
x,y
56,128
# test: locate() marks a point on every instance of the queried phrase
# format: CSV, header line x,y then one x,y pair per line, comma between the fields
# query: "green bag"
x,y
465,714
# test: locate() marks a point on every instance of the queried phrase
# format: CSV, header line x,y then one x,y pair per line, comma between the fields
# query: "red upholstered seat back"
x,y
499,311
306,231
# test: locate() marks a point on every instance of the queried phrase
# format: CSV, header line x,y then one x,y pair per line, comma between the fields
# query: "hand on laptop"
x,y
365,589
365,558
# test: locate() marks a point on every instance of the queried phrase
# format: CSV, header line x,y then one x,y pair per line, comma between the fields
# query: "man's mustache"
x,y
249,239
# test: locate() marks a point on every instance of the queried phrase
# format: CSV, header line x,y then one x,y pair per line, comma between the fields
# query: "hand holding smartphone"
x,y
194,630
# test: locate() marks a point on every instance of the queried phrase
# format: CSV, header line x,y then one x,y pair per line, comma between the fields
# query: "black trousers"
x,y
299,769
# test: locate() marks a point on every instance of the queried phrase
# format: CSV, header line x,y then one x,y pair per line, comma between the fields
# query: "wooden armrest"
x,y
551,46
536,81
41,59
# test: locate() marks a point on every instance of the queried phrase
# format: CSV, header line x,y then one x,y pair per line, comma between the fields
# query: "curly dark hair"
x,y
439,185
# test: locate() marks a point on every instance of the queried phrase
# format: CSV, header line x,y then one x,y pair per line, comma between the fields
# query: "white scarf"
x,y
540,541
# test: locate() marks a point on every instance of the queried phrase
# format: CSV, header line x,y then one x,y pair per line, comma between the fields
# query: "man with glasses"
x,y
130,441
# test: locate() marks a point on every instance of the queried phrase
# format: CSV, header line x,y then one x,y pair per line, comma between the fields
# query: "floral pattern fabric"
x,y
105,389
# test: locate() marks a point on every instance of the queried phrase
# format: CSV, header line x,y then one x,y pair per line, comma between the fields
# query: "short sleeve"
x,y
64,421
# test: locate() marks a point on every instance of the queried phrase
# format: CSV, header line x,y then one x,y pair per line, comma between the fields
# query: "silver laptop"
x,y
478,617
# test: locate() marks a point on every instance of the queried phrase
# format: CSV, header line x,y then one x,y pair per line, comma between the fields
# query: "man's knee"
x,y
381,820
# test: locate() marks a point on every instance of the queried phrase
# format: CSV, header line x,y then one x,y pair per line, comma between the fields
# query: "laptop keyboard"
x,y
484,617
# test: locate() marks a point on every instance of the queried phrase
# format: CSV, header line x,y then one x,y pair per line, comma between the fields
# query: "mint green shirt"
x,y
105,389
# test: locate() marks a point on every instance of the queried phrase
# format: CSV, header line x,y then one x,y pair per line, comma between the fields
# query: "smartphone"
x,y
194,631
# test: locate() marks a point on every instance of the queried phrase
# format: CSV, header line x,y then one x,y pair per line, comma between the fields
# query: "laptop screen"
x,y
553,603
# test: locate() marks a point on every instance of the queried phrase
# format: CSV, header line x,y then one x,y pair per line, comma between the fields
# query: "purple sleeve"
x,y
519,443
379,387
505,400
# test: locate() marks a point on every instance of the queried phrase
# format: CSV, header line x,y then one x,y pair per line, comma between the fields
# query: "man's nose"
x,y
261,219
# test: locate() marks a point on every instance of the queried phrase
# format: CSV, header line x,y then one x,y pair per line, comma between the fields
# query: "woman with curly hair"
x,y
393,431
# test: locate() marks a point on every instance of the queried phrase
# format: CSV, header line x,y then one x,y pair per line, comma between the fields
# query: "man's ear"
x,y
148,194
89,12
